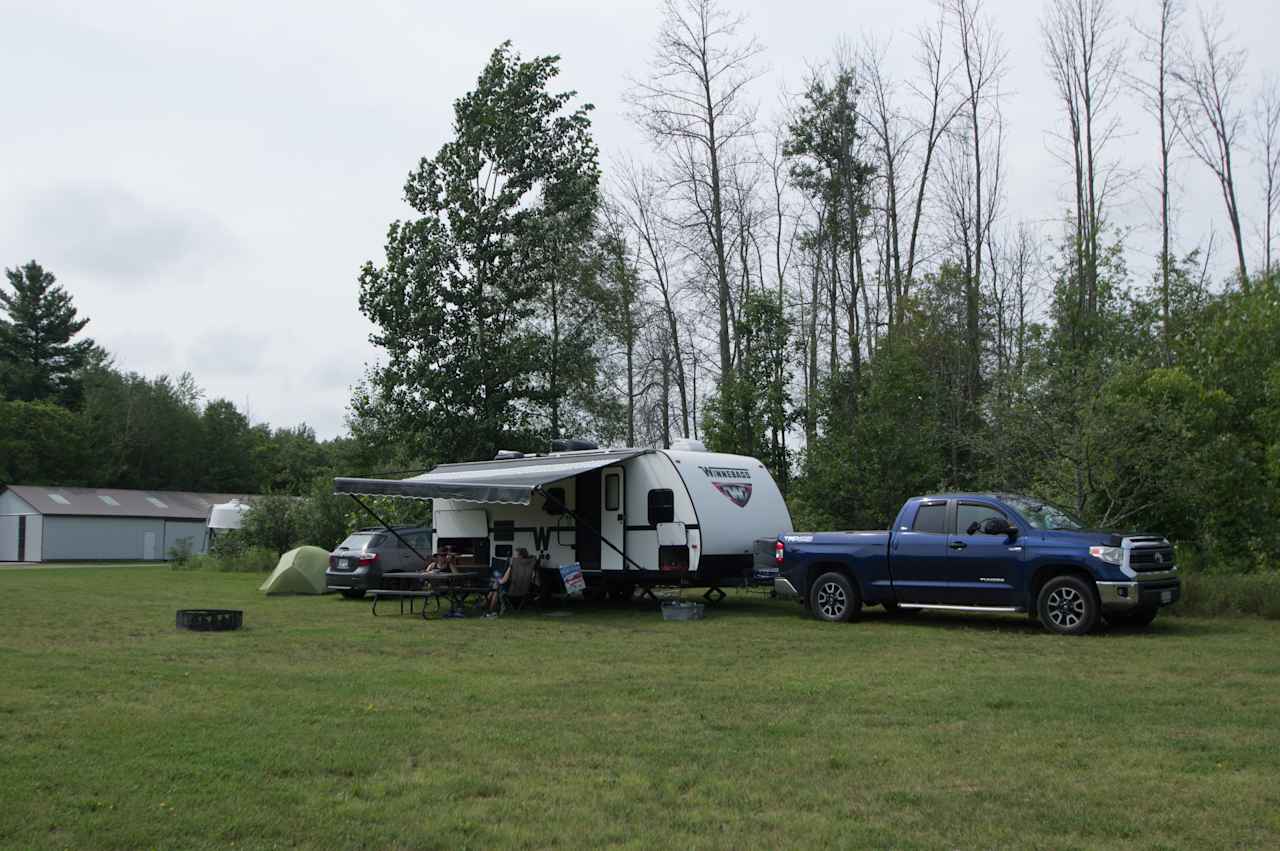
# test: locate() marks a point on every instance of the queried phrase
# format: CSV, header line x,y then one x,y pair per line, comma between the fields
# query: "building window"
x,y
109,500
662,506
157,503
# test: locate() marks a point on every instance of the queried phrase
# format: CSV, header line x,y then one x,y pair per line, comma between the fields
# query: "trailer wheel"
x,y
621,593
1068,606
833,598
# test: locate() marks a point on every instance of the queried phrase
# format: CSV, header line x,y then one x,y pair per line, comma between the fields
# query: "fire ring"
x,y
210,620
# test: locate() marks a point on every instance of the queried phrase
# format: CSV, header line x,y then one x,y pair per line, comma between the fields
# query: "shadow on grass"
x,y
1024,624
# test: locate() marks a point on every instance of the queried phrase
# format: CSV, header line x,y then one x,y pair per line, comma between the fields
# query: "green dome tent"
x,y
299,571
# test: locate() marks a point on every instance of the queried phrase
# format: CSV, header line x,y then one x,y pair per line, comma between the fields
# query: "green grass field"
x,y
320,726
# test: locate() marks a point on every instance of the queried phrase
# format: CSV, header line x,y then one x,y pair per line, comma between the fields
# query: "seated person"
x,y
515,580
443,562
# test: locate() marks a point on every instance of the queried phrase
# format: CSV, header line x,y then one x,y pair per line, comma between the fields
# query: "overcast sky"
x,y
207,178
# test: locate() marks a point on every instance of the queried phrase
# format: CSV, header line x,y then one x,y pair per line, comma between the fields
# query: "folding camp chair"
x,y
519,591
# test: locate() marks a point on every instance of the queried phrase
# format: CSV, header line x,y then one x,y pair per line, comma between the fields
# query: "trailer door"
x,y
613,517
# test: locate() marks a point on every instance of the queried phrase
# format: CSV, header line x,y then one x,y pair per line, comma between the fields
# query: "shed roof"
x,y
113,502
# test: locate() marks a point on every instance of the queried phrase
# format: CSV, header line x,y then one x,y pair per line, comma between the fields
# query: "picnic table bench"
x,y
454,587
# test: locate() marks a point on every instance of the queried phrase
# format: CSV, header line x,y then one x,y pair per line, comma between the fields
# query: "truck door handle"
x,y
958,545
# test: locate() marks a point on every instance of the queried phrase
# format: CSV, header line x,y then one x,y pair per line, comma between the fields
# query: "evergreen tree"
x,y
37,358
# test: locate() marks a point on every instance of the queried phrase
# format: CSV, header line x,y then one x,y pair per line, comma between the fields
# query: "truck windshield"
x,y
1043,515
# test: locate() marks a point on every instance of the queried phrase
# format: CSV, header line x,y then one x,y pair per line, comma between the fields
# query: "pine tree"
x,y
37,358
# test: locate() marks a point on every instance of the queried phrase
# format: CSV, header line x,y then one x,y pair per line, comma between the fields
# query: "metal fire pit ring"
x,y
210,620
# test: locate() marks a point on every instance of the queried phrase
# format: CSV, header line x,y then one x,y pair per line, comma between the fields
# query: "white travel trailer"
x,y
630,517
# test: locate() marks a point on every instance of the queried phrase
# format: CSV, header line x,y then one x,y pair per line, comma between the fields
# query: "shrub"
x,y
236,560
180,554
1230,594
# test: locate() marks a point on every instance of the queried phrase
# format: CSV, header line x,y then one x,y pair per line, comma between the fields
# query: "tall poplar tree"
x,y
505,209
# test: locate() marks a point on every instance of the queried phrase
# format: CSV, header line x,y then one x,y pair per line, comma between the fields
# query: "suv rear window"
x,y
931,518
358,541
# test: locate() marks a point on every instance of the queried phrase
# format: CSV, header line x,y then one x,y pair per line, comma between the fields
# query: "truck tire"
x,y
1133,617
1068,606
353,593
834,598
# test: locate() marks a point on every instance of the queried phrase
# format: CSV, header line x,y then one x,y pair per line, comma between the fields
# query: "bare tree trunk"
x,y
1268,142
694,95
1155,96
642,207
1209,81
982,60
1086,63
938,79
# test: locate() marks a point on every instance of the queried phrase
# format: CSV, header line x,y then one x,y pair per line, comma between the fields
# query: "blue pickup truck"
x,y
982,552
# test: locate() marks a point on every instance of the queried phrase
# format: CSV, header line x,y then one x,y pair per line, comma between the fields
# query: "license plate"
x,y
344,563
1166,596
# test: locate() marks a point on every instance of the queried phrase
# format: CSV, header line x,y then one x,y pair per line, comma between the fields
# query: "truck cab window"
x,y
662,506
931,518
970,516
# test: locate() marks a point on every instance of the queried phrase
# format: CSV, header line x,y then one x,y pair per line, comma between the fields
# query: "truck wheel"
x,y
353,593
1133,617
1068,606
833,598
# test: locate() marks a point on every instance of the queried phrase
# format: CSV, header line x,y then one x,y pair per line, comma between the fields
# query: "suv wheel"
x,y
833,598
353,593
1068,606
1133,617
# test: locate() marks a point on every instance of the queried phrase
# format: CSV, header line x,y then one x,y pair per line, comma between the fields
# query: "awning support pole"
x,y
387,526
576,519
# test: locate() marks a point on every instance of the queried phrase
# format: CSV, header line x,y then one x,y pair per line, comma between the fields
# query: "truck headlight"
x,y
1110,555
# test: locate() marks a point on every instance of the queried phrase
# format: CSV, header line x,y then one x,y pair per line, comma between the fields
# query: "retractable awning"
x,y
510,481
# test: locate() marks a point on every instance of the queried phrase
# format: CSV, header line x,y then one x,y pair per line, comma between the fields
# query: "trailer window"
x,y
504,530
612,494
662,506
931,518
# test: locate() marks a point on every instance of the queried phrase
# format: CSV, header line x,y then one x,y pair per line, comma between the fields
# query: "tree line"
x,y
68,417
842,289
839,288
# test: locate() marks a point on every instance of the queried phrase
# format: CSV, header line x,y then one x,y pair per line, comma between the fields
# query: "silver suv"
x,y
358,563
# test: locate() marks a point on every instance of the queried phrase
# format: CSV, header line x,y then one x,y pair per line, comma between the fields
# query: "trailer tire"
x,y
1068,605
621,593
834,598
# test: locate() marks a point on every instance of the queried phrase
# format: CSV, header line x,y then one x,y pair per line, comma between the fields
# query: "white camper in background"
x,y
631,517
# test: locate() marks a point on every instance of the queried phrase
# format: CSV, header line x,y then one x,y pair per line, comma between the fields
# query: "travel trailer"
x,y
630,517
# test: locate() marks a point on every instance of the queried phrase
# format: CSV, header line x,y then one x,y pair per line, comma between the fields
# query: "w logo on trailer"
x,y
739,494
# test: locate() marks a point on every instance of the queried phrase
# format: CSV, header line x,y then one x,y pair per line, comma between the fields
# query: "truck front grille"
x,y
1151,559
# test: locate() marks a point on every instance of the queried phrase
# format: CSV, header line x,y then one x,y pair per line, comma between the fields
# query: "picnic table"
x,y
456,588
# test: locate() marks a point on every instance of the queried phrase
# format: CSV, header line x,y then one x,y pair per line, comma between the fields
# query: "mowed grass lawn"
x,y
320,726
